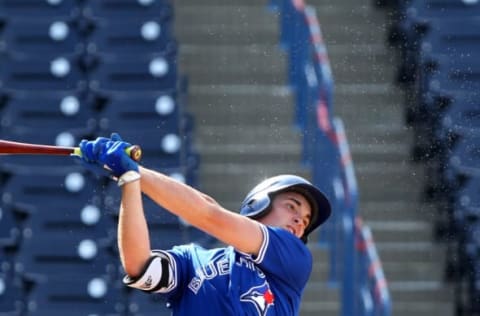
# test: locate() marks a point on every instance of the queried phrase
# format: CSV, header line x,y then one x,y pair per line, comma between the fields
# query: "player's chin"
x,y
292,230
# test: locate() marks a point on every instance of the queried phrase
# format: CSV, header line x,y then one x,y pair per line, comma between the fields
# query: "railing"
x,y
354,264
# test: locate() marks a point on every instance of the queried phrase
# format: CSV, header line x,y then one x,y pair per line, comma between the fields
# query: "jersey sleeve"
x,y
284,256
163,273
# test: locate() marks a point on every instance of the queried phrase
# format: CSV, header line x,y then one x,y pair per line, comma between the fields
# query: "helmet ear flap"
x,y
257,206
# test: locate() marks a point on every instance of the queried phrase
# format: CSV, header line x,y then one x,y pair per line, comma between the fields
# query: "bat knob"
x,y
135,152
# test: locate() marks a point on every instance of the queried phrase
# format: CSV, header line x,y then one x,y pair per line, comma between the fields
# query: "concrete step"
x,y
420,291
348,33
320,291
439,308
359,12
319,307
229,105
400,231
197,13
369,97
362,68
198,58
265,135
231,182
213,30
261,64
398,272
402,252
226,3
391,153
378,134
400,210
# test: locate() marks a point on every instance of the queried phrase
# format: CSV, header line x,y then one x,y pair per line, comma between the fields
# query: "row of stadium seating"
x,y
439,67
326,152
73,70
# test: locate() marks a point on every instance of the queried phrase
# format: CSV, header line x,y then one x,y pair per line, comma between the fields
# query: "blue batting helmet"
x,y
258,201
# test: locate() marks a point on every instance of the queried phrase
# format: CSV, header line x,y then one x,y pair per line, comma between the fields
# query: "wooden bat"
x,y
17,148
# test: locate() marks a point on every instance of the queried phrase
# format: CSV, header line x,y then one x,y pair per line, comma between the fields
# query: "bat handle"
x,y
134,151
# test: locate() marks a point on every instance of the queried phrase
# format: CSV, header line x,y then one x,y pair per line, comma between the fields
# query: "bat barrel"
x,y
9,147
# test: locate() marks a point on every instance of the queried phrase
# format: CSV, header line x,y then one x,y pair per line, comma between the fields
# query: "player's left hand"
x,y
89,152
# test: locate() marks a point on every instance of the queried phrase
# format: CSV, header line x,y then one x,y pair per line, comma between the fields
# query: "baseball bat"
x,y
13,148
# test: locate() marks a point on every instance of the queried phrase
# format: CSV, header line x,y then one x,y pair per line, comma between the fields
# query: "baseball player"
x,y
263,269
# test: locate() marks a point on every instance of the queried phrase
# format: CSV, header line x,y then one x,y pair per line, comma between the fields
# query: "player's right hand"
x,y
113,154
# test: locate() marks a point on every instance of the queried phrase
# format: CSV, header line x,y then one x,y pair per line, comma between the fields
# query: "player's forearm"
x,y
133,236
202,211
178,198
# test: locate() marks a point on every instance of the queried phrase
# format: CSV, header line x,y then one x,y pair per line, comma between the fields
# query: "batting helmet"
x,y
258,201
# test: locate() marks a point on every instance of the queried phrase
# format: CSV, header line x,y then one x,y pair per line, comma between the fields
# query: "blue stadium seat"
x,y
155,110
54,109
77,295
142,304
151,72
58,186
120,9
415,22
464,159
10,231
76,252
47,37
132,36
34,9
37,73
11,296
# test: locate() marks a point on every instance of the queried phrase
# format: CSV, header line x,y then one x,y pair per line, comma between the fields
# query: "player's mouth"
x,y
292,230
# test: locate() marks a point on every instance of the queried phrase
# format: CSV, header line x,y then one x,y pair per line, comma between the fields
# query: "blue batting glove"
x,y
115,157
98,170
91,149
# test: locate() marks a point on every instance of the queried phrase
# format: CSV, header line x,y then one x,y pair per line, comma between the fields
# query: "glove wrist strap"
x,y
128,177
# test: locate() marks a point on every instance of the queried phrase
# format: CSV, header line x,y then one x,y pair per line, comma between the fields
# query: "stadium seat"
x,y
142,304
144,73
121,9
37,73
10,232
131,36
34,9
47,37
11,296
58,186
77,295
40,111
415,21
80,252
147,110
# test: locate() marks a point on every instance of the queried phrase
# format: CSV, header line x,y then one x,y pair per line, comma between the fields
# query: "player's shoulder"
x,y
195,250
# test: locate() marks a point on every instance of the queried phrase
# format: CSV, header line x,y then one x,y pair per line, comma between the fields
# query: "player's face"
x,y
290,210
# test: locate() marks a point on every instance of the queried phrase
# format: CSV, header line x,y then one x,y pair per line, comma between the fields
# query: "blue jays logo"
x,y
261,296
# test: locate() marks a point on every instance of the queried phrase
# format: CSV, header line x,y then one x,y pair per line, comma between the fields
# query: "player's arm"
x,y
202,211
132,234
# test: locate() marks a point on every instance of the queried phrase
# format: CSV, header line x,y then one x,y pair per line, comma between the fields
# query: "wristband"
x,y
128,177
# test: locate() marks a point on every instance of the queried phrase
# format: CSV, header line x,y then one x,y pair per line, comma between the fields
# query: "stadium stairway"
x,y
390,185
244,132
243,110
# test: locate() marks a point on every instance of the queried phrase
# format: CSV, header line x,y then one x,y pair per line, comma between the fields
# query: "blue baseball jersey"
x,y
224,281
